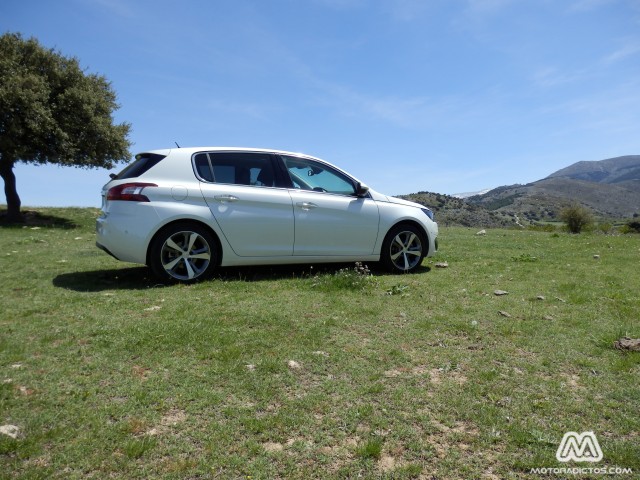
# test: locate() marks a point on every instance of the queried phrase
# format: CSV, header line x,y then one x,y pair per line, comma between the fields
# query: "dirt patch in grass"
x,y
168,421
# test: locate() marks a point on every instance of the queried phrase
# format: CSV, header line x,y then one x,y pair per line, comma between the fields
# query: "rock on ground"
x,y
9,430
627,343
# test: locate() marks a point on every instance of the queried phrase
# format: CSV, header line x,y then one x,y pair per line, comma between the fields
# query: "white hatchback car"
x,y
185,211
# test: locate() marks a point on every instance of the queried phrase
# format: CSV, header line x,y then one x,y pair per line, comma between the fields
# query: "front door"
x,y
330,220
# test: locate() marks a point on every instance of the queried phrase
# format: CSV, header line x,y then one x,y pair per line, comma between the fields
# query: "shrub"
x,y
605,228
357,278
631,227
576,217
542,227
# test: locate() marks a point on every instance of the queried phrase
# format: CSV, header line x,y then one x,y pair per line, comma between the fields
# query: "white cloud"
x,y
549,77
243,109
342,4
407,10
631,48
588,5
411,112
476,14
483,7
119,8
605,114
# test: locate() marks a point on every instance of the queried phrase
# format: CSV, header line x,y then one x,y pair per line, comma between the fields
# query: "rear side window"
x,y
203,167
237,168
142,163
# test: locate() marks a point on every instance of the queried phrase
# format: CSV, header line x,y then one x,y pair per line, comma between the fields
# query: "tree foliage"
x,y
576,217
51,111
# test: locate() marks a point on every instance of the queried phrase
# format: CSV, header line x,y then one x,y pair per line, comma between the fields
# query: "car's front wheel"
x,y
183,252
403,249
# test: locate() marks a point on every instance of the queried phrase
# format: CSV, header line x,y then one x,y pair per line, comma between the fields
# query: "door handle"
x,y
306,205
226,198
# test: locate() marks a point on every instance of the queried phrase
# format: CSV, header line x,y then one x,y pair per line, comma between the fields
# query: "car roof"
x,y
189,151
192,150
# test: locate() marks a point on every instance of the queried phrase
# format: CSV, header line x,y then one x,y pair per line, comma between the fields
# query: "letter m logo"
x,y
579,447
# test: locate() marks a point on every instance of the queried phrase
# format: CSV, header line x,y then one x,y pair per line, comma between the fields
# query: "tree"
x,y
576,218
51,111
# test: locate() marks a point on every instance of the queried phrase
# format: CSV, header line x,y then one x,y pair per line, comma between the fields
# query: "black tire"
x,y
403,249
183,252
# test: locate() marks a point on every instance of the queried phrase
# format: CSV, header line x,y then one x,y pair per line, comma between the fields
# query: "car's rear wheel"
x,y
183,252
403,249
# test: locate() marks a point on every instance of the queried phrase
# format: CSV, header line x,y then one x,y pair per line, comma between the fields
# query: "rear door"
x,y
255,216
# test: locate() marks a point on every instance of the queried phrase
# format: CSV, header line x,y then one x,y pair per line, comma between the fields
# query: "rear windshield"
x,y
142,163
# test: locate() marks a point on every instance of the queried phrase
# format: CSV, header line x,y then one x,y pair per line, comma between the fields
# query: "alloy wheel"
x,y
405,250
185,255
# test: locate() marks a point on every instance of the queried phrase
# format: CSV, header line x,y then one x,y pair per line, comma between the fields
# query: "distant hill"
x,y
471,194
619,170
609,188
453,211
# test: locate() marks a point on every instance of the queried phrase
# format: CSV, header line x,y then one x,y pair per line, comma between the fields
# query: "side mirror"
x,y
361,190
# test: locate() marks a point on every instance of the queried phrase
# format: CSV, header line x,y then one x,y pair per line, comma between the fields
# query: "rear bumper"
x,y
105,249
124,233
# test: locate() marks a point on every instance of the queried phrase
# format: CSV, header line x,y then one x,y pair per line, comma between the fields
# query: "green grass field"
x,y
300,372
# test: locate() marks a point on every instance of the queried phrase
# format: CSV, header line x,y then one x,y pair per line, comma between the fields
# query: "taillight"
x,y
129,192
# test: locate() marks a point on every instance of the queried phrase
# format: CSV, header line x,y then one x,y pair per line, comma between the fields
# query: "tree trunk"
x,y
10,191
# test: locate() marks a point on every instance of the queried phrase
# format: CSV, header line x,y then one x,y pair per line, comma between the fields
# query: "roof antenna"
x,y
177,144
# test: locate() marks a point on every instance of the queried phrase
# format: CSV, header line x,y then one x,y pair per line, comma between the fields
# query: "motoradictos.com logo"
x,y
580,447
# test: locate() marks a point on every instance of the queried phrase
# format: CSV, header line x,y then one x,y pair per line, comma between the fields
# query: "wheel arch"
x,y
187,221
415,224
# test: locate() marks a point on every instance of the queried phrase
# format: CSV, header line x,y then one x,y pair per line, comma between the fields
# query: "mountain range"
x,y
609,188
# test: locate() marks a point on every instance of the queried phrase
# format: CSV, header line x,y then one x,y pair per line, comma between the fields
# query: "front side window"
x,y
237,168
308,174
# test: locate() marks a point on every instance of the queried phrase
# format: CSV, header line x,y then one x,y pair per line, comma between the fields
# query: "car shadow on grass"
x,y
131,278
279,272
273,272
141,278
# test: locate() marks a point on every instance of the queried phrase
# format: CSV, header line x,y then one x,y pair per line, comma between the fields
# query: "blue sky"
x,y
446,96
